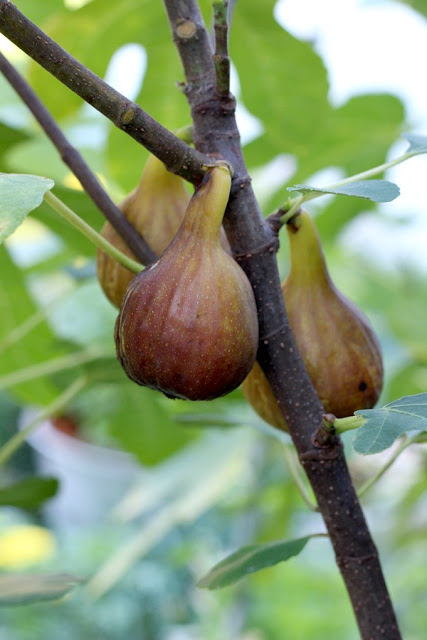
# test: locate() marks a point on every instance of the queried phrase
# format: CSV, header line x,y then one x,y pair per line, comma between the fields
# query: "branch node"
x,y
127,116
185,28
324,437
274,221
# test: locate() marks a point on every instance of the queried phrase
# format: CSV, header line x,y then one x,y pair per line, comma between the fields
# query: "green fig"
x,y
188,324
336,341
156,209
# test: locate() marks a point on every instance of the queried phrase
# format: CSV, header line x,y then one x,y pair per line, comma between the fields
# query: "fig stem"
x,y
294,469
54,407
53,366
293,204
404,444
90,233
341,425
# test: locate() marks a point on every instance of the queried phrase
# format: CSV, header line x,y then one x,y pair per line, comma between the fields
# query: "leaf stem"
x,y
404,444
296,475
347,424
90,233
52,366
57,405
293,204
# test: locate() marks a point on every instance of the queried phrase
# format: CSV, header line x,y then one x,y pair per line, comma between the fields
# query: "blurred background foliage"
x,y
201,487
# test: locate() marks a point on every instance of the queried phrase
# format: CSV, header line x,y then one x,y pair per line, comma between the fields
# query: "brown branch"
x,y
216,131
76,163
179,157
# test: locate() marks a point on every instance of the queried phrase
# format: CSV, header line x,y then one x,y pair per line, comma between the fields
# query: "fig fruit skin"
x,y
336,341
156,209
188,325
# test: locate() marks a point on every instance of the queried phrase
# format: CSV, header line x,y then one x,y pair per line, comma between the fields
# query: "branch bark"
x,y
179,157
254,244
252,239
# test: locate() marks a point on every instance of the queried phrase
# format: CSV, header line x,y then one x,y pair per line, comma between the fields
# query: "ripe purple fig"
x,y
188,324
336,341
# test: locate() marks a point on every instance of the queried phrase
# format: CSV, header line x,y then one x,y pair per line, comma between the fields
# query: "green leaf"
x,y
38,11
383,426
417,5
417,143
39,345
85,316
19,194
283,83
28,493
375,190
142,425
249,560
134,417
356,137
25,588
10,137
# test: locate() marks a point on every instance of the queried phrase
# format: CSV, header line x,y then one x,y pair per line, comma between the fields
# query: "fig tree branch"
x,y
252,239
254,244
221,57
178,156
76,163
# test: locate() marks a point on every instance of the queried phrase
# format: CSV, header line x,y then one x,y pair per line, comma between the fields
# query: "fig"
x,y
336,341
156,209
188,324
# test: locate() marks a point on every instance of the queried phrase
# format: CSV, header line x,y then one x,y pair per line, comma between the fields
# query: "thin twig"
x,y
76,163
178,156
221,57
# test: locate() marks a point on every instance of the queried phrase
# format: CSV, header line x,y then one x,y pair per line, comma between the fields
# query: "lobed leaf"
x,y
249,560
383,426
374,190
19,194
268,80
38,345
